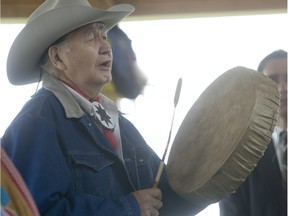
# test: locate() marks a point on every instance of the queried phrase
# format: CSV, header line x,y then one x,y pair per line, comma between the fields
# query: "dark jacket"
x,y
68,163
261,194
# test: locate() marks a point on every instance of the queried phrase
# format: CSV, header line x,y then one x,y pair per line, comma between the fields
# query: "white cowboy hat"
x,y
50,21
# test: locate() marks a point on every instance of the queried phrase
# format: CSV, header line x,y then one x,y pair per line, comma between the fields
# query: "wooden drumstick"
x,y
161,165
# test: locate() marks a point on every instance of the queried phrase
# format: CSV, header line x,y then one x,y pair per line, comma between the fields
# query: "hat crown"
x,y
49,5
50,21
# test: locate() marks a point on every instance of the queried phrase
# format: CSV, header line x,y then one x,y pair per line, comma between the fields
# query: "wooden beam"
x,y
145,9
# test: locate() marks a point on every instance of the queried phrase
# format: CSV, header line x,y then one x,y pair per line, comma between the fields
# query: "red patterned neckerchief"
x,y
99,112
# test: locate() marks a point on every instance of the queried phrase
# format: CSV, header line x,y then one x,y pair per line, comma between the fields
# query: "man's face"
x,y
87,57
276,69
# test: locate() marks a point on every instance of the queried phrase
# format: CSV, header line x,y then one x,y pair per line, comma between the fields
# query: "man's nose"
x,y
282,85
106,49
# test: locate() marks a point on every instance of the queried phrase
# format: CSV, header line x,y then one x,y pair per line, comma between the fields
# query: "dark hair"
x,y
274,55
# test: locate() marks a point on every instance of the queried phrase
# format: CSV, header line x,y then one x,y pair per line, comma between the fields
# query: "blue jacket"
x,y
68,163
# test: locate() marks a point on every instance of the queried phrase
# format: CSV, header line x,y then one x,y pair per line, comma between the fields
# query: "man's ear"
x,y
54,53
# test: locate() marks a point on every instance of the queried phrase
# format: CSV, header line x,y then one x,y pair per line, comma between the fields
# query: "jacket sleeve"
x,y
31,143
236,203
173,204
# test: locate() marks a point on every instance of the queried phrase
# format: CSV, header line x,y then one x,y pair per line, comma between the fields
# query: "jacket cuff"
x,y
131,205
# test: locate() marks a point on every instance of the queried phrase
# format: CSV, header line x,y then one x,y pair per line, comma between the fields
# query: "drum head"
x,y
223,136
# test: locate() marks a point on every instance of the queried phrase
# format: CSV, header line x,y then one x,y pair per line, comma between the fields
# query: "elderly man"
x,y
76,152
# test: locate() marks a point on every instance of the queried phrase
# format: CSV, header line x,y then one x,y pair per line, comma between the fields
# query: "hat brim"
x,y
30,44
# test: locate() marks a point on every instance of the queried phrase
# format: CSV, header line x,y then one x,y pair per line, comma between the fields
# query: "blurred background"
x,y
189,39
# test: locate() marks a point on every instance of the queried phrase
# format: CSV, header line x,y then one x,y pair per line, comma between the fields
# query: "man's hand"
x,y
149,201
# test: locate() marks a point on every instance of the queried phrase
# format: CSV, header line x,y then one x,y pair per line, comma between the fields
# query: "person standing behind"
x,y
264,192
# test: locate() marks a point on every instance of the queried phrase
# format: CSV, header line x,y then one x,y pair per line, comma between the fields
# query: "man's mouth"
x,y
106,64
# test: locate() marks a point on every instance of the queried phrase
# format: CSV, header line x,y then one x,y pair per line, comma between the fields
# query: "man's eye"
x,y
90,37
104,37
274,78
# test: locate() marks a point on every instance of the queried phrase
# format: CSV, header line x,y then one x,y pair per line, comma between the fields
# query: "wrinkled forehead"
x,y
97,26
86,29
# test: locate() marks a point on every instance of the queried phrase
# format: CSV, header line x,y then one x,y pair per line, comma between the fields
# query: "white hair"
x,y
46,65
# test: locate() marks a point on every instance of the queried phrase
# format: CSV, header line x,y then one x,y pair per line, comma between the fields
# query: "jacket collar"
x,y
69,103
